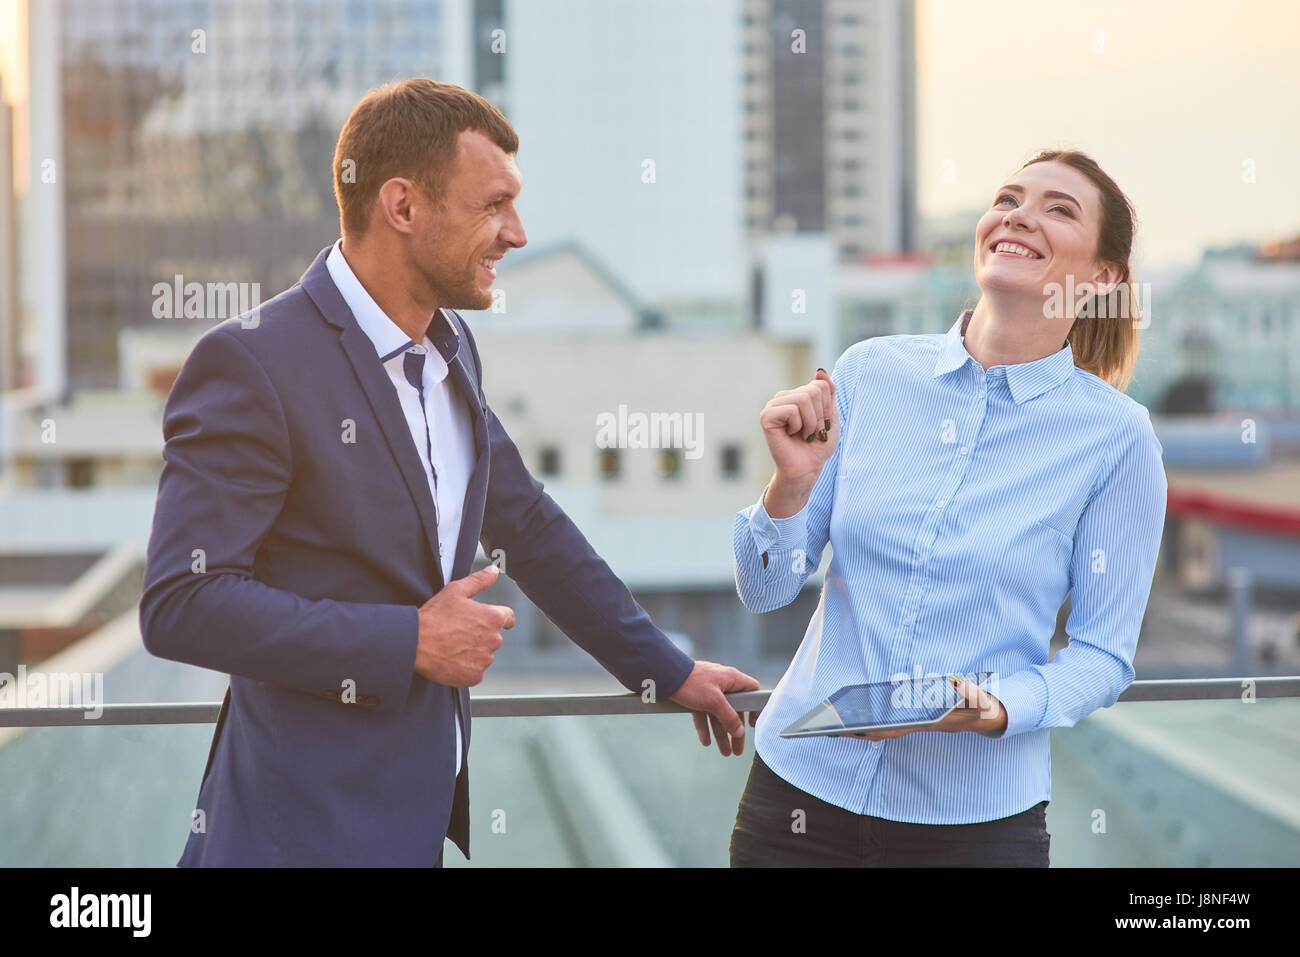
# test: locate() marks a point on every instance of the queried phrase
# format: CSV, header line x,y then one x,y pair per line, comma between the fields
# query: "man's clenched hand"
x,y
704,692
458,634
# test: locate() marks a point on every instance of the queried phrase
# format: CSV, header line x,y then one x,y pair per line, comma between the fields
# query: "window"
x,y
79,473
731,461
550,461
670,463
608,464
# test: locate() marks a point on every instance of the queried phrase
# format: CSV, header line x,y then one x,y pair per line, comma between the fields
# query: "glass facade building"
x,y
198,137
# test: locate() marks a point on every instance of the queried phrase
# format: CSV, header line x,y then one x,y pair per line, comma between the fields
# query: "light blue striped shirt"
x,y
962,506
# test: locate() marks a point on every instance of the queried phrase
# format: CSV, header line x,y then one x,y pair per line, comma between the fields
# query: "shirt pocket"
x,y
1047,552
1052,540
1034,550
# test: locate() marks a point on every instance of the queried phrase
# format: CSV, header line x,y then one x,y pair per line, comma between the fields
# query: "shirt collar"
x,y
1026,380
384,334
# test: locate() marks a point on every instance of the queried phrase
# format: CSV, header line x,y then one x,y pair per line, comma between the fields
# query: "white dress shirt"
x,y
449,425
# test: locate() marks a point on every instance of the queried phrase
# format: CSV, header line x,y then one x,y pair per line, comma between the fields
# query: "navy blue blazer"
x,y
293,543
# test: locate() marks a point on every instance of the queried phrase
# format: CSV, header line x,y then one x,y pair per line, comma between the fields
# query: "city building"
x,y
629,122
830,122
1230,323
196,139
11,368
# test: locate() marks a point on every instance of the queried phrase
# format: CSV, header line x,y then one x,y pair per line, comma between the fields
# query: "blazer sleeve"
x,y
560,572
227,467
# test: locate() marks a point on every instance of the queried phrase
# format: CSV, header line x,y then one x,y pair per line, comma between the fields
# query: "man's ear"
x,y
394,200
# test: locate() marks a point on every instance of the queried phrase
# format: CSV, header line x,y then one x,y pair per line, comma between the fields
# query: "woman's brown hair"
x,y
1104,337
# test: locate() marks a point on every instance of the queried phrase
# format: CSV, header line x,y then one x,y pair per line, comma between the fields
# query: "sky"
x,y
1180,101
12,39
13,75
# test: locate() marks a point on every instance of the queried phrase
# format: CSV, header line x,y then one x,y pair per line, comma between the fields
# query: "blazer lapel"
x,y
378,389
471,524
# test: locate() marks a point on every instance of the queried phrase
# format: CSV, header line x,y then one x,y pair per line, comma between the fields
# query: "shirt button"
x,y
964,449
907,620
875,744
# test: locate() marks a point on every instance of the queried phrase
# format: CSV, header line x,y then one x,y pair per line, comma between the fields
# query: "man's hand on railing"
x,y
704,691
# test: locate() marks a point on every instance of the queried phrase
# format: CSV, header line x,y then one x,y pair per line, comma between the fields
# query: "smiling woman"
x,y
967,482
1061,223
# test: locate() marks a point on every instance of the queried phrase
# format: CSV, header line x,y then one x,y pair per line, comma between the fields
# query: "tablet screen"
x,y
905,702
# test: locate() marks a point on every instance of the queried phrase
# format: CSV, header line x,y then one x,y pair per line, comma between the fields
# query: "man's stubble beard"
x,y
447,283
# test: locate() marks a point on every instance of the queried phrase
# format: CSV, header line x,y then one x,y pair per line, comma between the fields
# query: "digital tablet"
x,y
883,706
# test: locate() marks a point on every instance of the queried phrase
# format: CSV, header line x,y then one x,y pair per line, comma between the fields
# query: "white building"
x,y
629,120
1233,321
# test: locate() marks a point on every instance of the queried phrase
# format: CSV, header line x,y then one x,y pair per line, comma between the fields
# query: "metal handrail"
x,y
537,706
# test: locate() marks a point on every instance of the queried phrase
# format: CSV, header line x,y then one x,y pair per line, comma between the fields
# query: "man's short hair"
x,y
409,129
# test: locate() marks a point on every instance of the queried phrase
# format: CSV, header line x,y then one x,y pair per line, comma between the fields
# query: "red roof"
x,y
1277,520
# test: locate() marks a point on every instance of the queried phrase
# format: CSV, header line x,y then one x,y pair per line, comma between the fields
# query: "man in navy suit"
x,y
330,465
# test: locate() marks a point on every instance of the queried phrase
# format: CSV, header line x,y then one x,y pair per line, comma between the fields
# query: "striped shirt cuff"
x,y
778,534
1024,696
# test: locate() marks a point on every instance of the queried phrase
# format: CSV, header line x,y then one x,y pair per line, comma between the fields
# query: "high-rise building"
x,y
665,136
629,138
9,357
830,122
194,138
488,48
